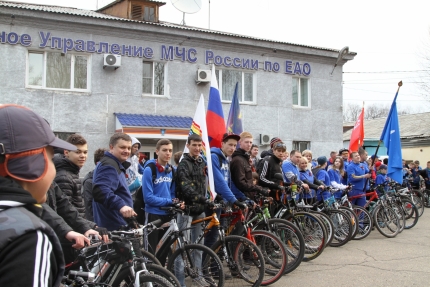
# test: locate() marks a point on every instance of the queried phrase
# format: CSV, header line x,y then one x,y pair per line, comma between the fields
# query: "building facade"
x,y
99,72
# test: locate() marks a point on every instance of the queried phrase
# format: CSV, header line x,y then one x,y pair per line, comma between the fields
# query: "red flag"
x,y
357,135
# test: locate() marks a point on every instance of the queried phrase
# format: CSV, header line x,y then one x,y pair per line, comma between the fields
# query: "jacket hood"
x,y
240,152
266,153
134,141
218,151
10,190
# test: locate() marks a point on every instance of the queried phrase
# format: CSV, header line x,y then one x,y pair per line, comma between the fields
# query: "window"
x,y
58,71
149,14
301,146
228,81
153,78
301,92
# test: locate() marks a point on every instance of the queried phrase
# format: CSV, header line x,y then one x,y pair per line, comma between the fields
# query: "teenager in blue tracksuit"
x,y
222,180
321,174
344,153
382,178
357,174
335,174
158,192
307,177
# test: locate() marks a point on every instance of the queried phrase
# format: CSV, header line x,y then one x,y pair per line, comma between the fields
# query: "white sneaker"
x,y
200,282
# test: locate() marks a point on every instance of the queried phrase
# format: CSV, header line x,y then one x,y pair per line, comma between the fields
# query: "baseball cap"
x,y
321,160
378,164
274,140
383,166
373,156
23,138
343,150
228,136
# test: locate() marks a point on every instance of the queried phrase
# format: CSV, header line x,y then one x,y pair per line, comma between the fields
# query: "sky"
x,y
390,38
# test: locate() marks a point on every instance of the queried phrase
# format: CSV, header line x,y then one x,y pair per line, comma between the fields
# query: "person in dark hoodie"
x,y
68,167
30,252
112,199
241,171
87,186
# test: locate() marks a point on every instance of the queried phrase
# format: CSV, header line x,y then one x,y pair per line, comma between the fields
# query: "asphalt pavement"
x,y
373,261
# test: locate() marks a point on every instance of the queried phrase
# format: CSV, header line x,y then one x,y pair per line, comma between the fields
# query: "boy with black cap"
x,y
30,253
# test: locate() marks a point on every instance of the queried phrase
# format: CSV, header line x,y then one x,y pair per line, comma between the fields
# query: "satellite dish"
x,y
187,6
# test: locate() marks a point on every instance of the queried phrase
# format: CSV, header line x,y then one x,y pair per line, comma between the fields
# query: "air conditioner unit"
x,y
113,61
203,76
265,139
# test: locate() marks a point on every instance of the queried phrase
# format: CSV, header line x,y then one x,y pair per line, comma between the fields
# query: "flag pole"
x,y
380,141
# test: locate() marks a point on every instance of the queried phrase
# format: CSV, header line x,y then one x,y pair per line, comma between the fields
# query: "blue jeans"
x,y
191,235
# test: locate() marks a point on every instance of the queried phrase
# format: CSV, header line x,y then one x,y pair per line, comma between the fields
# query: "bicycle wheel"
x,y
292,238
418,203
426,198
197,265
151,258
364,220
125,279
243,259
275,255
354,219
328,224
342,227
314,234
400,214
411,213
386,221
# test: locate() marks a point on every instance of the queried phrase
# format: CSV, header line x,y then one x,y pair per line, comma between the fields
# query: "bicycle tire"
x,y
400,214
232,251
292,238
275,255
354,219
426,198
328,224
411,213
418,203
151,257
342,227
365,222
210,263
314,234
124,279
386,221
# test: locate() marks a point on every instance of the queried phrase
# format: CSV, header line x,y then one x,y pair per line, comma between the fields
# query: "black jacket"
x,y
191,184
68,180
27,243
59,202
87,193
241,174
272,165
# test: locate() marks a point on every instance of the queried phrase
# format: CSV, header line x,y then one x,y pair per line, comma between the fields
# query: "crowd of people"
x,y
47,211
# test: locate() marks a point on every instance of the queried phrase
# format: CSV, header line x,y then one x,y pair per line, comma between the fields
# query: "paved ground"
x,y
373,261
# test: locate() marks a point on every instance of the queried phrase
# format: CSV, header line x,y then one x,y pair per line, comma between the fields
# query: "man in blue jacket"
x,y
357,174
222,178
112,199
159,191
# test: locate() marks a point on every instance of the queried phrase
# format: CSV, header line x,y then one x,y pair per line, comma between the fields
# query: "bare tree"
x,y
351,112
376,111
373,111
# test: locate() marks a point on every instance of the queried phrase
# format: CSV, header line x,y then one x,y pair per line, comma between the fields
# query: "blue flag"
x,y
391,138
234,122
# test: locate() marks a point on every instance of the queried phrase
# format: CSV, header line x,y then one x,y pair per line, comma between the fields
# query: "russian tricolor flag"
x,y
215,115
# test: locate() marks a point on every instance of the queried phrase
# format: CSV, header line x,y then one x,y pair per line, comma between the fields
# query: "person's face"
x,y
345,155
356,158
303,165
254,181
78,156
246,144
39,188
279,153
135,149
195,148
337,163
296,158
229,147
383,171
404,162
164,153
121,150
333,156
308,156
428,165
285,155
254,151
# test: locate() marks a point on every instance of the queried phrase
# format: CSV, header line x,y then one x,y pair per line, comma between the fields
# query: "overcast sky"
x,y
389,36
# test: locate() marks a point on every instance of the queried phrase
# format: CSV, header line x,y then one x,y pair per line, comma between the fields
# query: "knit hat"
x,y
274,140
321,160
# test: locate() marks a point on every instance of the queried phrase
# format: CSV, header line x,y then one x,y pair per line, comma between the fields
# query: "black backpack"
x,y
139,203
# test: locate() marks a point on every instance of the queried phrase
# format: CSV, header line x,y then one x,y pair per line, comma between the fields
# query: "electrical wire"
x,y
382,72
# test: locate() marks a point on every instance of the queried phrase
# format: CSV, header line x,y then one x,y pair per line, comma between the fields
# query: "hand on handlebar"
x,y
127,211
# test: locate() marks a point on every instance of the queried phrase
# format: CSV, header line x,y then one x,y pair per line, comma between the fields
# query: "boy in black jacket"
x,y
30,253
